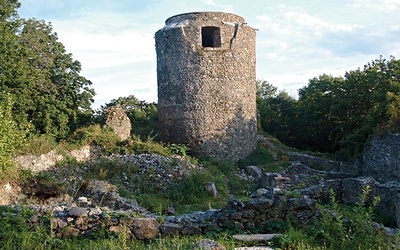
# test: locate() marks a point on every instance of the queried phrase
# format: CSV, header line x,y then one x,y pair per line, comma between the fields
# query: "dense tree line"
x,y
42,79
335,114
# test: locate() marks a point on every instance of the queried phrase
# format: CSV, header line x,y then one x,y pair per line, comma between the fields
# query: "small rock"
x,y
78,212
83,199
235,204
117,229
262,193
70,231
7,187
169,228
191,230
254,171
207,244
255,237
62,224
34,218
95,211
170,210
146,228
211,188
127,221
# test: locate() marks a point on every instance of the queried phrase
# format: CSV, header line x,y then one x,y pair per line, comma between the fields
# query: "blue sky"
x,y
296,39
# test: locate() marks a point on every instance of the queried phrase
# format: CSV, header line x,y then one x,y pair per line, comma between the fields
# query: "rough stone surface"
x,y
254,171
146,228
389,194
211,188
117,119
169,228
48,160
299,176
191,230
255,237
78,212
207,244
352,189
206,92
39,163
381,158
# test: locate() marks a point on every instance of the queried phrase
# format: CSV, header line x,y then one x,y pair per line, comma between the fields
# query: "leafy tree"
x,y
370,99
319,113
341,114
276,111
143,115
36,69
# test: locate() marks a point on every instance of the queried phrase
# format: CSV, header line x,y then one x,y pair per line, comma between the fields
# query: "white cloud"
x,y
209,2
304,19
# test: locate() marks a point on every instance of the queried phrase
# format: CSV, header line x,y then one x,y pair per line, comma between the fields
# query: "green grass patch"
x,y
262,155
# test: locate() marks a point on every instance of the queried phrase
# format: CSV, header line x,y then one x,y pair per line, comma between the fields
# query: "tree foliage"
x,y
336,114
275,111
12,134
36,69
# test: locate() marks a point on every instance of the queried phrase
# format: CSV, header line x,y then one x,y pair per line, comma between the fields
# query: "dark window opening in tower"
x,y
210,36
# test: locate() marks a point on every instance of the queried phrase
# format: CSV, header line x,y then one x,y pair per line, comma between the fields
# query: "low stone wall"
x,y
259,214
46,161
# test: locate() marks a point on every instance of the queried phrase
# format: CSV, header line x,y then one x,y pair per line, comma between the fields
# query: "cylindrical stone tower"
x,y
206,71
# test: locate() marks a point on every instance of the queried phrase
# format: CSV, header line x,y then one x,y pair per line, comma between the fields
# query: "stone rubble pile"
x,y
81,217
153,170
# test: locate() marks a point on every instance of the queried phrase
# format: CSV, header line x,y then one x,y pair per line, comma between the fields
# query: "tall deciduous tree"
x,y
42,76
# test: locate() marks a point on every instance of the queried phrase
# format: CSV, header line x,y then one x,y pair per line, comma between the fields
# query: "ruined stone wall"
x,y
381,158
207,89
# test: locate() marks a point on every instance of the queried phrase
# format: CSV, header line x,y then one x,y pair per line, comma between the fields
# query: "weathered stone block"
x,y
169,228
146,228
116,118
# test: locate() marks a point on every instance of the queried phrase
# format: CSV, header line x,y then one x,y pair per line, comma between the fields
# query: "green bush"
x,y
12,135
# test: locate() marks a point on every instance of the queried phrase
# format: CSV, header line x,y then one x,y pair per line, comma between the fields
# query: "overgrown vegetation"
x,y
341,227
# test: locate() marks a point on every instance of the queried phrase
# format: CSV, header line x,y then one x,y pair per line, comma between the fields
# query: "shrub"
x,y
12,135
340,228
38,145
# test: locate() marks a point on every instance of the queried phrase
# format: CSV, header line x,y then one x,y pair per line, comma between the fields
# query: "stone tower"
x,y
206,75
